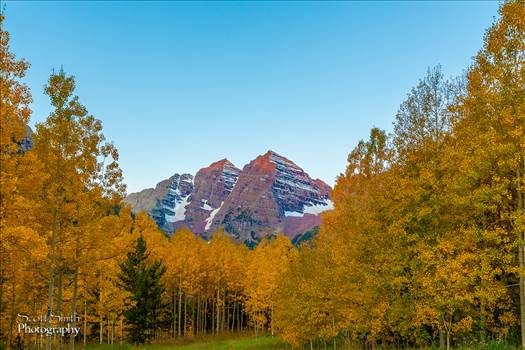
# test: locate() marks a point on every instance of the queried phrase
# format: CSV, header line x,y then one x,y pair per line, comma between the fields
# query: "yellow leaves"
x,y
423,236
518,220
266,267
464,325
507,319
425,314
430,239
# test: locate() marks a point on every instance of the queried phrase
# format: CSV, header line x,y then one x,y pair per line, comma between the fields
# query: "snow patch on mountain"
x,y
205,205
180,211
172,207
314,209
317,209
209,220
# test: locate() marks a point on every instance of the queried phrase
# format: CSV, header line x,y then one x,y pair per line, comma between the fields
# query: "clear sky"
x,y
179,85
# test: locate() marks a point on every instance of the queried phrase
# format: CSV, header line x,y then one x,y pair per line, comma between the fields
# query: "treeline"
x,y
425,245
212,287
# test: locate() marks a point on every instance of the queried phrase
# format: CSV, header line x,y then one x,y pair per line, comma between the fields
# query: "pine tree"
x,y
142,280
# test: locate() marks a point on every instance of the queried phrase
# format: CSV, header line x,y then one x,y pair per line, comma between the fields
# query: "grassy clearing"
x,y
249,342
212,343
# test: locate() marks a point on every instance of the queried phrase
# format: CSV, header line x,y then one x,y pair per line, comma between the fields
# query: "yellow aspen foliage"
x,y
22,249
266,266
425,246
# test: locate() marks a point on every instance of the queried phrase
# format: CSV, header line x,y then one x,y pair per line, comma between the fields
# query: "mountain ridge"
x,y
271,194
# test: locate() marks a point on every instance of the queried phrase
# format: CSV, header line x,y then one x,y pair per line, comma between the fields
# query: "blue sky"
x,y
179,85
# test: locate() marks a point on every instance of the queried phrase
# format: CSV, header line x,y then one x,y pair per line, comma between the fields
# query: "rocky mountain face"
x,y
212,186
171,208
270,195
26,143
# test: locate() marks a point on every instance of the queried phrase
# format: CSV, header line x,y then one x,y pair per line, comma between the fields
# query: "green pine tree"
x,y
142,280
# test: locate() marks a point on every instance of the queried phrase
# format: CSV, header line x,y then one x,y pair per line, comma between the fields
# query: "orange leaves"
x,y
266,267
424,234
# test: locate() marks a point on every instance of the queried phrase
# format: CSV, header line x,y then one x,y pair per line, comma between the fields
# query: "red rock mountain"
x,y
271,195
212,185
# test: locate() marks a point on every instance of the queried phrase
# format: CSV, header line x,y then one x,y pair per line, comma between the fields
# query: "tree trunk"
x,y
59,300
242,321
121,331
212,317
12,318
179,318
223,311
2,279
442,344
271,322
174,307
85,323
233,316
218,313
74,307
521,252
101,335
228,317
1,297
185,314
34,313
193,323
51,277
239,320
204,329
199,315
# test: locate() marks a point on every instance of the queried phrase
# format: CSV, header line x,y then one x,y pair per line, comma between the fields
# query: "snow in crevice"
x,y
205,205
314,209
284,163
230,177
296,184
209,220
293,213
180,211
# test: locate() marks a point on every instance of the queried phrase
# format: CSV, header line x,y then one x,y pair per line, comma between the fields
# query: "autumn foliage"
x,y
425,245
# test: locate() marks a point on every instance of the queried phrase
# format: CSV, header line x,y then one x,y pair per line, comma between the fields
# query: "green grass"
x,y
249,342
208,343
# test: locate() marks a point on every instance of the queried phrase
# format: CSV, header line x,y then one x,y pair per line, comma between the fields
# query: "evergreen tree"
x,y
142,280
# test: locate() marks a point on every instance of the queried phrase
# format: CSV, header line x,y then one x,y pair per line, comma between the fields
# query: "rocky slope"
x,y
212,186
170,210
270,195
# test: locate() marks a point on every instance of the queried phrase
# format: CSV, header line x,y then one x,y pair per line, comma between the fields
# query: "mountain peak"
x,y
271,194
275,161
272,154
221,164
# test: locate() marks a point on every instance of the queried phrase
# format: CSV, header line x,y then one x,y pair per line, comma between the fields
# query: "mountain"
x,y
270,195
212,186
146,199
171,208
26,143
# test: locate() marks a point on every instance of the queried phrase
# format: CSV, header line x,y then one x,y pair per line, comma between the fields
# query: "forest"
x,y
425,246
